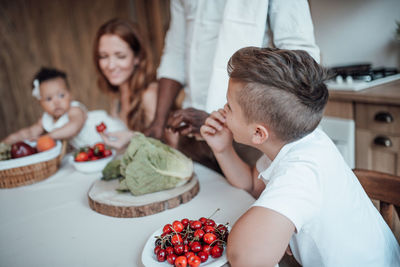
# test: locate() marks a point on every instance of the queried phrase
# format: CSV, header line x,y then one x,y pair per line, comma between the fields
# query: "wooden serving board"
x,y
105,199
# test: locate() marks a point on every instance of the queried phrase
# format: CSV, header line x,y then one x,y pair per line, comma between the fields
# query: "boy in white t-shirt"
x,y
313,202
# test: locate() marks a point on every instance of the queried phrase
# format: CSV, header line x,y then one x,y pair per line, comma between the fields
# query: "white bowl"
x,y
93,165
32,159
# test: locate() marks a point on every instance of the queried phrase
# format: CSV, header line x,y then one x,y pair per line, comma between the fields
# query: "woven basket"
x,y
30,174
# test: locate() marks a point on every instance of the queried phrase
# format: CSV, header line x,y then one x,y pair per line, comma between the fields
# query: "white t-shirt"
x,y
88,135
336,223
204,34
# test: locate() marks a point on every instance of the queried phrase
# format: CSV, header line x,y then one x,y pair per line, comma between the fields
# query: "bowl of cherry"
x,y
187,243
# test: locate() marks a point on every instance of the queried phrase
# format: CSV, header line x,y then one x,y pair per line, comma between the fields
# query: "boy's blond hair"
x,y
284,89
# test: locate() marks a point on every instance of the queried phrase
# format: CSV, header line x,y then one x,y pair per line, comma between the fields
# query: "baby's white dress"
x,y
88,135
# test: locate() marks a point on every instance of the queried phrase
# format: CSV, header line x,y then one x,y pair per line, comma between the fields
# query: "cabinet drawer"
x,y
377,155
378,118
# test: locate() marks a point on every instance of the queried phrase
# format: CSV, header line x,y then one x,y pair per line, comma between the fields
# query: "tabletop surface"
x,y
50,223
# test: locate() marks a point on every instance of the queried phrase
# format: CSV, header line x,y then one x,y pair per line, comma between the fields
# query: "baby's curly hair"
x,y
284,89
46,73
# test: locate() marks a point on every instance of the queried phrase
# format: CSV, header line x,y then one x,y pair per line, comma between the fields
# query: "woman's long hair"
x,y
142,76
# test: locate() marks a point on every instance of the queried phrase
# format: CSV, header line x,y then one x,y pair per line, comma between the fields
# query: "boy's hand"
x,y
215,132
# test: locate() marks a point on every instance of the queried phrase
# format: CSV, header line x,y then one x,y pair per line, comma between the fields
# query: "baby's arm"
x,y
77,118
29,133
237,172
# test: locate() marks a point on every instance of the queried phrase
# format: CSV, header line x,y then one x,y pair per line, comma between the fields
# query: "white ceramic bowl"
x,y
93,165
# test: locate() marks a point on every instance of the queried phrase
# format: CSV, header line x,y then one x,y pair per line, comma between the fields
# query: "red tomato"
x,y
194,261
81,156
178,226
107,153
99,149
209,238
181,261
101,127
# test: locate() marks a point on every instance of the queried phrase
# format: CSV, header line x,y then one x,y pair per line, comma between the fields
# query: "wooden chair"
x,y
385,188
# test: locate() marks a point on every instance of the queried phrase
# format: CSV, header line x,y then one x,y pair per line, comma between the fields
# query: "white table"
x,y
51,224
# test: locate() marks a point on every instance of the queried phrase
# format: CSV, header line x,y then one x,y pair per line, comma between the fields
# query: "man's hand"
x,y
187,121
155,130
215,132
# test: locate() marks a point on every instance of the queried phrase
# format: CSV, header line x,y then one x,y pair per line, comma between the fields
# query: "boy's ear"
x,y
260,134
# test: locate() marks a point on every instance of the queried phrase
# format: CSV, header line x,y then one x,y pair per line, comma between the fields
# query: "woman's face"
x,y
116,59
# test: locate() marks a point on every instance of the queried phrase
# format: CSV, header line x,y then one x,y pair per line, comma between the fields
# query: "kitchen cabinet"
x,y
376,112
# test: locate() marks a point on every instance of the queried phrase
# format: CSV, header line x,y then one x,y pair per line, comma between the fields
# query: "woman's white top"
x,y
88,135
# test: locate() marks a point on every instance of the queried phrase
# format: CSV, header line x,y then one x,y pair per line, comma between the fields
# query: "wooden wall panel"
x,y
60,33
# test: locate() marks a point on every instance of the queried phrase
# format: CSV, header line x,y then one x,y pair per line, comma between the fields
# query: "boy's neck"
x,y
272,147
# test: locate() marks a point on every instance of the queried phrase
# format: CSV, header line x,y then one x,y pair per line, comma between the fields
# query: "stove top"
x,y
360,76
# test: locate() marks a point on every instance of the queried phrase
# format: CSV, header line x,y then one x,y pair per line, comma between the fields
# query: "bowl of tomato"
x,y
92,158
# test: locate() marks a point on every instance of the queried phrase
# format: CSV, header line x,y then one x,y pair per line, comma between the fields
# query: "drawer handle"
x,y
384,117
383,141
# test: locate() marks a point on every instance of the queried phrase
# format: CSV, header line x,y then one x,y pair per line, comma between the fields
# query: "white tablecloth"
x,y
51,224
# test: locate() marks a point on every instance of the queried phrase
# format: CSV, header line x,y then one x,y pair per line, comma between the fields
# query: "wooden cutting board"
x,y
105,199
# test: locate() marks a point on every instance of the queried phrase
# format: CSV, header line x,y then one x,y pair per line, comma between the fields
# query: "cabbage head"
x,y
149,165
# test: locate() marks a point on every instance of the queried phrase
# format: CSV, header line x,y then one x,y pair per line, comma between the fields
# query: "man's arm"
x,y
171,72
167,92
259,238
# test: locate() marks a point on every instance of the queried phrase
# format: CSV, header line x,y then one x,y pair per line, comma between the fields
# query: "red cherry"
x,y
203,256
181,261
171,259
207,249
194,261
185,222
167,228
189,254
176,239
178,249
169,250
209,238
210,222
195,246
199,233
178,226
156,249
203,220
161,255
208,229
216,252
195,225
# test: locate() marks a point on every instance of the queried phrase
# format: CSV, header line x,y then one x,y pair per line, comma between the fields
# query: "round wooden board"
x,y
105,199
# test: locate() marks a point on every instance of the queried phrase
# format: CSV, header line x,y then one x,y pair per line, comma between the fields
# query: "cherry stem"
x,y
214,213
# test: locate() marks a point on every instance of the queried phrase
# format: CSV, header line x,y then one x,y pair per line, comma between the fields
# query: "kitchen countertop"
x,y
388,93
